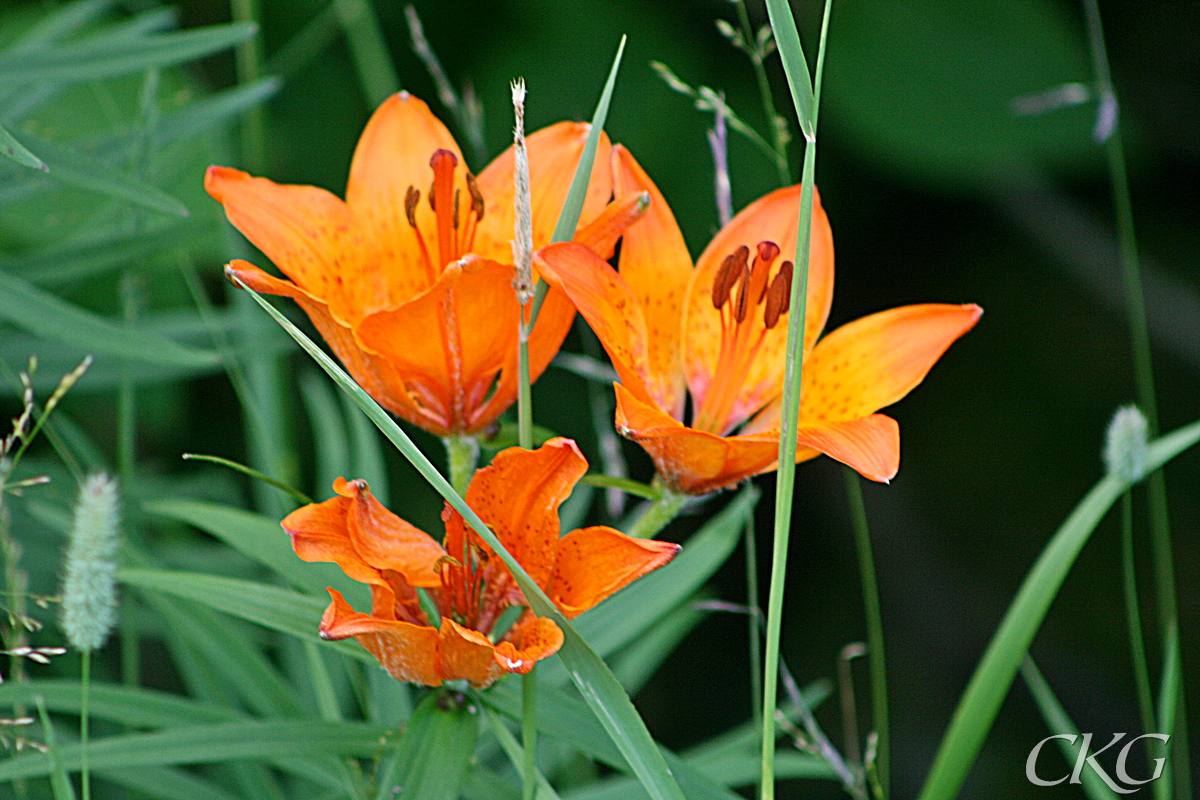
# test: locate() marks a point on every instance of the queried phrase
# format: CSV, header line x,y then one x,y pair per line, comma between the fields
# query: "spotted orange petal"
x,y
386,542
408,652
609,306
518,496
774,218
592,563
393,154
451,340
373,373
554,154
467,655
687,459
657,267
529,642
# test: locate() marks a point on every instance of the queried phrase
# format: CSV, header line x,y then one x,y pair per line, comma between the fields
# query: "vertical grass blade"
x,y
988,686
795,65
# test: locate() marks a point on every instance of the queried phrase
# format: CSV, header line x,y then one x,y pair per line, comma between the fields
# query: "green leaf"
x,y
81,170
71,261
165,783
139,708
1058,721
61,22
203,744
88,61
11,148
213,110
258,537
44,314
60,784
591,675
993,676
278,609
795,65
622,618
636,663
568,218
436,749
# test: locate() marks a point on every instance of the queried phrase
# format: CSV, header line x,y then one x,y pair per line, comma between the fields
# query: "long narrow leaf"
x,y
795,65
92,61
11,148
591,675
436,749
36,311
981,701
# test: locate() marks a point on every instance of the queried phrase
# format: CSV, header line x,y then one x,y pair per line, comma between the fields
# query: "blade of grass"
x,y
512,748
568,218
298,496
805,98
89,61
980,702
60,784
1058,721
590,674
436,749
11,148
376,75
44,314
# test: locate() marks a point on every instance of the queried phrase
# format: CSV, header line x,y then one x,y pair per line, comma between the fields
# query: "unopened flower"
x,y
1125,444
518,498
719,332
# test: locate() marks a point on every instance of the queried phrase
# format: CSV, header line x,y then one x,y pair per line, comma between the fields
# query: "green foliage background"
x,y
936,191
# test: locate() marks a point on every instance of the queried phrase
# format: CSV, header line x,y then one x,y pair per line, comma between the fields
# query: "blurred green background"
x,y
937,192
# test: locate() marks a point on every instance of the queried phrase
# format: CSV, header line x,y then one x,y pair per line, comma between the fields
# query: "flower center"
x,y
464,587
740,285
455,227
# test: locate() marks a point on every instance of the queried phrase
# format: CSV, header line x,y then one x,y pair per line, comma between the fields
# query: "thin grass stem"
x,y
777,123
529,734
1133,616
368,49
248,60
797,72
85,682
874,615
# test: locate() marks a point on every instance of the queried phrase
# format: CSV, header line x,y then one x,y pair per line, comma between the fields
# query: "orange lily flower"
x,y
518,497
409,279
720,331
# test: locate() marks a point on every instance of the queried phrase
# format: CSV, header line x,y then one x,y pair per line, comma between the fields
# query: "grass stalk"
x,y
797,73
1133,616
1108,132
248,60
85,682
871,608
368,49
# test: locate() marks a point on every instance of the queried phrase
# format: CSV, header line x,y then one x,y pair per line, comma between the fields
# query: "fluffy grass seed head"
x,y
1125,444
89,594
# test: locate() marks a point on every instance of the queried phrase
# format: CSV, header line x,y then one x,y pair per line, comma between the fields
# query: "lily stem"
x,y
529,733
462,454
870,590
661,511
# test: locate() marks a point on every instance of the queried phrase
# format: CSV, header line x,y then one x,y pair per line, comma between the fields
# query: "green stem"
x,y
777,123
1160,527
870,590
529,734
248,59
524,389
462,454
660,512
1137,647
781,15
85,680
755,619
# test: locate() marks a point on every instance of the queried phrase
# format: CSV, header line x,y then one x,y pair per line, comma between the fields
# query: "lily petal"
x,y
393,154
609,306
305,231
321,532
594,562
874,361
385,541
554,154
657,267
870,445
378,377
771,218
408,652
687,459
451,340
529,643
466,655
518,496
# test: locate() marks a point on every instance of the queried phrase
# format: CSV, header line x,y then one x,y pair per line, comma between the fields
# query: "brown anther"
x,y
432,206
727,275
411,198
444,561
454,223
768,251
743,299
777,298
476,197
785,275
